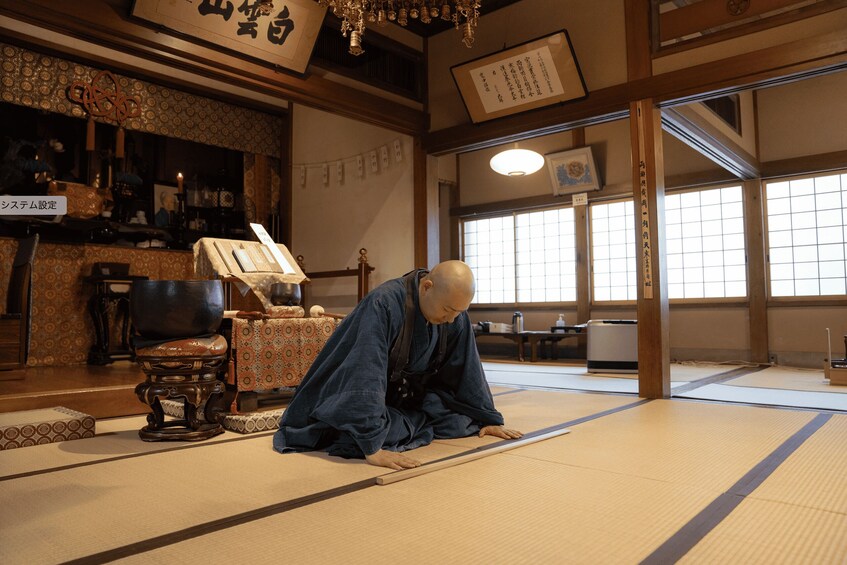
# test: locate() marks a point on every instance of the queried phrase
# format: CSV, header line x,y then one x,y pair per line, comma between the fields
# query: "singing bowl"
x,y
285,294
176,309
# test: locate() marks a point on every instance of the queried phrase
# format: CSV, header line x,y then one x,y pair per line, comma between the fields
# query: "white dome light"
x,y
517,162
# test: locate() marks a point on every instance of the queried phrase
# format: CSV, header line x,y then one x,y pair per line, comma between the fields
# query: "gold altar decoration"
x,y
353,13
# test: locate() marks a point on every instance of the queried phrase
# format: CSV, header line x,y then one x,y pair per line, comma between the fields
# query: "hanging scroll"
x,y
645,247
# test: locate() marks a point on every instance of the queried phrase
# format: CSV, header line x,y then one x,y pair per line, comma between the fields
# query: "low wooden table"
x,y
536,338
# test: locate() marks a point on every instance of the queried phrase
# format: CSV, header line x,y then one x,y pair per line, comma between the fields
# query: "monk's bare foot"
x,y
392,460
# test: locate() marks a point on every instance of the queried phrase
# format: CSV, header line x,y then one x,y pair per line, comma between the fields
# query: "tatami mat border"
x,y
513,391
700,525
715,379
132,456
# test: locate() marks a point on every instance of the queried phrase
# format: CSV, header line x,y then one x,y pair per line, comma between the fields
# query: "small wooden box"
x,y
836,375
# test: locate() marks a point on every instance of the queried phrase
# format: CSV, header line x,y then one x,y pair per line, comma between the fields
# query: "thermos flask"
x,y
517,322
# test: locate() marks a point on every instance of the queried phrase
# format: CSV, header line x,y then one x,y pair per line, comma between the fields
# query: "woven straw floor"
x,y
626,484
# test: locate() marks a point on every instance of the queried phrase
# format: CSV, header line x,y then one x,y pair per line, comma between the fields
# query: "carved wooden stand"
x,y
192,377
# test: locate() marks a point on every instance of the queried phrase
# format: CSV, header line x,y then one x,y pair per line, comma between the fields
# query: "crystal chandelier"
x,y
353,13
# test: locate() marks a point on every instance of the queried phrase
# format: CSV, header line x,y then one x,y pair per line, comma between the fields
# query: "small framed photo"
x,y
164,205
573,171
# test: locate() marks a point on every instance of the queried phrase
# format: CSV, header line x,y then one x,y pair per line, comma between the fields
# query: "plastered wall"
x,y
332,221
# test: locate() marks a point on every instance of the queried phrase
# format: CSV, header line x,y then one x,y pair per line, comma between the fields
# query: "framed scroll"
x,y
285,37
531,75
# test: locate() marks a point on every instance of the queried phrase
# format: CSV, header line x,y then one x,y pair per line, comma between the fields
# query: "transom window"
x,y
522,257
807,231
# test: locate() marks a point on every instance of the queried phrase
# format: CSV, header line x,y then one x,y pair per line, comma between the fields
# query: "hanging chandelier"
x,y
354,13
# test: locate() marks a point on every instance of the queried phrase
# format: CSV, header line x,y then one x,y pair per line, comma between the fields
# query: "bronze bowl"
x,y
176,309
285,294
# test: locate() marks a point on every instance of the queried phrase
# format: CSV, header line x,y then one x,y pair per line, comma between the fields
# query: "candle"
x,y
179,183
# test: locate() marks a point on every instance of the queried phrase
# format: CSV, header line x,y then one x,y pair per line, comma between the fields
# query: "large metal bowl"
x,y
285,294
176,309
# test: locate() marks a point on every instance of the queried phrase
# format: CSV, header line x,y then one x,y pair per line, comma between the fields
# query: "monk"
x,y
401,370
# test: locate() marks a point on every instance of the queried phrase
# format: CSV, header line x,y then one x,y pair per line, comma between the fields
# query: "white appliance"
x,y
612,346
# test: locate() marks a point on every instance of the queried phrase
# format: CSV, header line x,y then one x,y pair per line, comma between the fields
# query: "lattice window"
x,y
613,251
705,243
522,257
807,231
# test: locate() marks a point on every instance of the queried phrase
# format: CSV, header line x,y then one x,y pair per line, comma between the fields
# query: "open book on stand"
x,y
250,257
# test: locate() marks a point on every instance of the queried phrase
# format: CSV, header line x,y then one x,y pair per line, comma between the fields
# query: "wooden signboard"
x,y
284,37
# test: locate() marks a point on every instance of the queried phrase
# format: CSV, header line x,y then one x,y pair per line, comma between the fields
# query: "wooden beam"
x,y
747,28
649,193
639,62
695,131
806,164
766,67
107,23
757,302
707,14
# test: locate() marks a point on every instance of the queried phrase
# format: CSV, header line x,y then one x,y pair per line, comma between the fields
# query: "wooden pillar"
x,y
420,213
756,271
285,193
583,254
648,185
456,237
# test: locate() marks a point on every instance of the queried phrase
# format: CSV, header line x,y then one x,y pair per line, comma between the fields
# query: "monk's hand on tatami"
x,y
392,460
500,431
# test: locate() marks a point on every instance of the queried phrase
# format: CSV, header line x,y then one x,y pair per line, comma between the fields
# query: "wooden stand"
x,y
836,375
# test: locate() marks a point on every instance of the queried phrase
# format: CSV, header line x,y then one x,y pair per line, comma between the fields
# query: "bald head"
x,y
446,291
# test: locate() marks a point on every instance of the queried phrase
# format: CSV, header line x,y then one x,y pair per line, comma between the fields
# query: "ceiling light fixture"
x,y
353,13
516,162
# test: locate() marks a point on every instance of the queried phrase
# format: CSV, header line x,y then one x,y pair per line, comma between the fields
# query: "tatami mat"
x,y
84,510
770,533
789,379
610,492
769,396
577,377
502,509
116,437
798,515
626,479
703,445
528,410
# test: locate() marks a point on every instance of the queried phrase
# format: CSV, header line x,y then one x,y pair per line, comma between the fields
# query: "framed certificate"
x,y
535,74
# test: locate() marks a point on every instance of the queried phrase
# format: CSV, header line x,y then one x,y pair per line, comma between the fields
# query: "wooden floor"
x,y
101,391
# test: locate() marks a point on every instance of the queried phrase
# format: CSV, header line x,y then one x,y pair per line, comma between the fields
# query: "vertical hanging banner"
x,y
284,35
645,249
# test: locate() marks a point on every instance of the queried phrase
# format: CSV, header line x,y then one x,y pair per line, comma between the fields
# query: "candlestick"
x,y
179,182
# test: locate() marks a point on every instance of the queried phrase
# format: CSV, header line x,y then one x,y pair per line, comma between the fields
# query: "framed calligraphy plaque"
x,y
286,36
531,75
